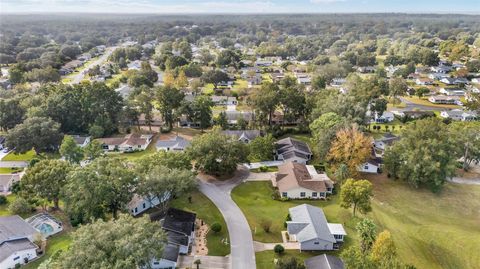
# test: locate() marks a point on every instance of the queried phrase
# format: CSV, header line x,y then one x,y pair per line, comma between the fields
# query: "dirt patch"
x,y
201,232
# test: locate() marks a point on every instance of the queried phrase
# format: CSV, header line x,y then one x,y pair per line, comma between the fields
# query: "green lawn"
x,y
55,243
254,199
4,208
425,102
20,157
431,230
240,84
266,259
8,170
209,213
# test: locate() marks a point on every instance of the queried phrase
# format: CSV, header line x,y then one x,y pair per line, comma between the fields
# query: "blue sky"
x,y
241,6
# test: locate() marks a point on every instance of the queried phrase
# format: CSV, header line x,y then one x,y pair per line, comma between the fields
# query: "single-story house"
x,y
310,228
179,226
476,80
233,116
292,150
176,143
139,204
385,117
452,91
300,181
446,100
135,65
254,80
169,258
338,82
6,182
16,242
324,261
245,136
81,140
124,91
453,81
129,143
444,69
424,81
224,100
458,114
387,140
372,166
437,76
366,69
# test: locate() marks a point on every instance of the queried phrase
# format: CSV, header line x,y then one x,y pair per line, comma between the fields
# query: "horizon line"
x,y
243,13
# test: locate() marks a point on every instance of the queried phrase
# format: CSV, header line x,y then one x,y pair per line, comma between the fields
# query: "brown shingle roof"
x,y
293,175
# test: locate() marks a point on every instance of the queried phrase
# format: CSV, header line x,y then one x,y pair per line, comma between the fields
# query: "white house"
x,y
292,150
6,182
452,91
176,143
224,100
309,227
458,114
300,181
372,166
81,141
424,81
16,242
139,204
169,258
446,100
129,143
385,117
245,136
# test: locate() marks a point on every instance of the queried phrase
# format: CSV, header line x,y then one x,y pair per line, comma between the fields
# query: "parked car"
x,y
5,150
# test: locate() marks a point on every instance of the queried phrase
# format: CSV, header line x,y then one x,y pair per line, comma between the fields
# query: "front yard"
x,y
27,156
209,213
266,259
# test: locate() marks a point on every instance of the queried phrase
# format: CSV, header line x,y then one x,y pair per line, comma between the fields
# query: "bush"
x,y
263,168
216,227
279,249
3,200
19,206
266,225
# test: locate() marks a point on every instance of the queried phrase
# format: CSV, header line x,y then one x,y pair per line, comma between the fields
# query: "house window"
x,y
322,194
338,236
143,205
314,194
302,194
329,189
16,258
316,243
365,167
284,194
136,210
156,263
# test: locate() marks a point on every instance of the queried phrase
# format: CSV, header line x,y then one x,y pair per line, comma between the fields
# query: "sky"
x,y
240,6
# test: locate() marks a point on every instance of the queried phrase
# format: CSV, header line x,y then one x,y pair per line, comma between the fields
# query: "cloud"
x,y
325,1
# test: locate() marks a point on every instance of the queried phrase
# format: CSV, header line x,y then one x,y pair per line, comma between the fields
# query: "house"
x,y
444,69
140,204
129,143
476,80
224,100
366,69
372,166
324,261
263,63
452,91
169,258
7,181
458,114
292,150
233,116
424,81
300,181
386,141
81,141
445,100
309,227
16,242
254,80
454,81
179,226
437,76
124,91
135,65
338,82
385,117
176,143
304,80
245,136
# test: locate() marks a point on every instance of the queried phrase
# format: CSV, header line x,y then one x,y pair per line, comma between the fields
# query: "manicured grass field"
x,y
210,214
20,157
266,259
430,230
254,199
425,102
8,170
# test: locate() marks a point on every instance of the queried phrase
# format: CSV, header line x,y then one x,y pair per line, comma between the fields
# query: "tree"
x,y
163,184
222,120
421,92
216,153
41,134
216,227
289,263
147,71
367,230
70,150
265,100
279,249
397,87
43,75
214,77
324,130
356,193
379,106
125,242
93,150
383,250
167,101
465,137
261,148
350,147
201,111
19,206
342,173
178,160
104,186
319,83
181,81
353,258
197,262
16,74
46,179
424,155
11,113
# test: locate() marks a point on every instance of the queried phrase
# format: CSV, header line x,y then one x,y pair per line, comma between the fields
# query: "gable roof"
x,y
315,222
289,144
179,221
324,261
293,175
79,139
10,247
171,252
239,134
176,142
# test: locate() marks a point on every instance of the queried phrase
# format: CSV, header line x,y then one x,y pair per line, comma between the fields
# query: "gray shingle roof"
x,y
315,220
324,261
14,227
177,142
10,247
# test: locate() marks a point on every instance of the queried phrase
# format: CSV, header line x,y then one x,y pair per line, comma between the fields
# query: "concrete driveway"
x,y
3,154
210,262
242,254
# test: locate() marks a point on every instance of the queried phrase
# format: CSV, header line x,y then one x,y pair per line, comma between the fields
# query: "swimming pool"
x,y
46,224
46,229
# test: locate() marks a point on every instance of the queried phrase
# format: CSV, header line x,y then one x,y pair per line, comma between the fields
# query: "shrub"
x,y
263,168
279,249
216,227
3,200
266,225
19,206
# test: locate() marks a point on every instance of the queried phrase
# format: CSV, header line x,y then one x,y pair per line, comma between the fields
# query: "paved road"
x,y
79,77
11,164
210,262
242,254
465,181
412,106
